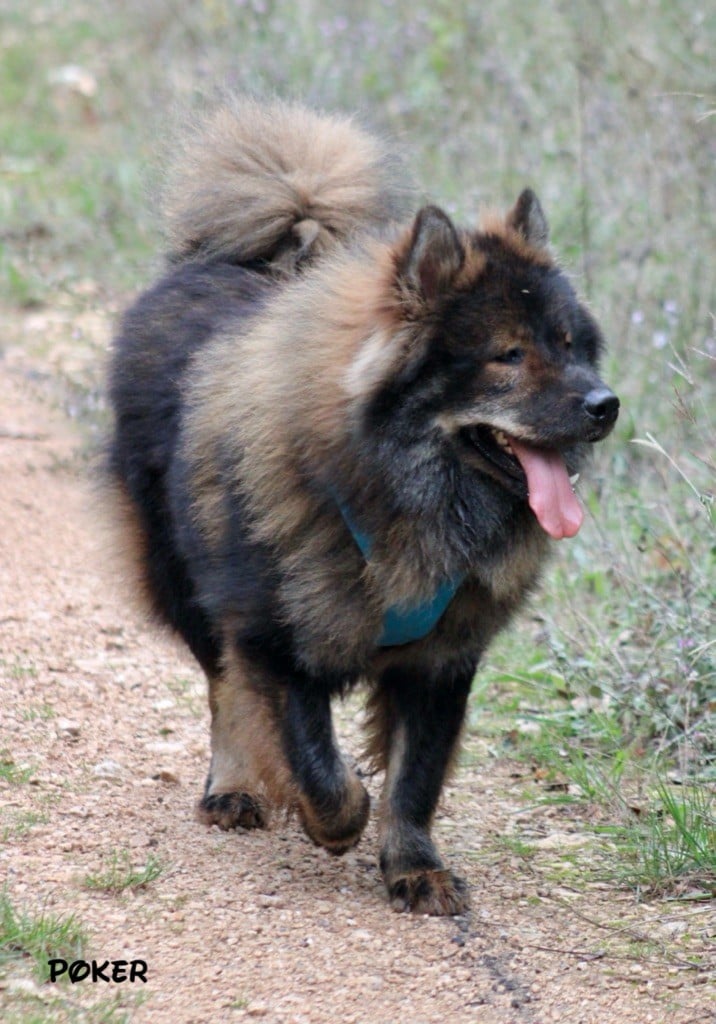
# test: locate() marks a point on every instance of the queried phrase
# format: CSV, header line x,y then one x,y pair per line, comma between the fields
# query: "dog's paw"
x,y
232,810
436,892
343,831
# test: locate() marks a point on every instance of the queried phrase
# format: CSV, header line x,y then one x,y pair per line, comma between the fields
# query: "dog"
x,y
345,435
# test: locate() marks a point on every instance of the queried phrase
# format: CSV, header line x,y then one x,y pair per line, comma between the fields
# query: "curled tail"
x,y
278,183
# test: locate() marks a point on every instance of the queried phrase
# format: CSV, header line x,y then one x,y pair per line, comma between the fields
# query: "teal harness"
x,y
403,625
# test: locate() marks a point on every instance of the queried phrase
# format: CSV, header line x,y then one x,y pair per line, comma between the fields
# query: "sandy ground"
x,y
110,715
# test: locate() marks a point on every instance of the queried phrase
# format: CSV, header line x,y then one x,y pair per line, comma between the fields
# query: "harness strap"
x,y
404,624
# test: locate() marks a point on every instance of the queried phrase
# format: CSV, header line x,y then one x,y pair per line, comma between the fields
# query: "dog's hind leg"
x,y
416,724
333,803
248,771
272,743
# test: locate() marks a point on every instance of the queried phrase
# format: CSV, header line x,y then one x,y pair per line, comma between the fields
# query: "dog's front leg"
x,y
333,803
418,722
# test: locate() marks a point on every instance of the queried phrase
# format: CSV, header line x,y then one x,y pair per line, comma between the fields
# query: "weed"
x,y
119,873
672,847
37,936
517,846
39,712
19,671
21,823
12,773
117,1009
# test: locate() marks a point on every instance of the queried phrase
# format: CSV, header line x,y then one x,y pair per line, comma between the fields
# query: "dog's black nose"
x,y
602,405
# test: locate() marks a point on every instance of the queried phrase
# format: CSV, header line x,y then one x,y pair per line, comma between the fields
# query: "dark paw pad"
x,y
232,810
436,892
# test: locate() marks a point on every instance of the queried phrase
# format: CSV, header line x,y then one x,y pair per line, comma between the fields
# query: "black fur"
x,y
145,390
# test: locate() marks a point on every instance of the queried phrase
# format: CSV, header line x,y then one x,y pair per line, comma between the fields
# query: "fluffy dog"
x,y
346,438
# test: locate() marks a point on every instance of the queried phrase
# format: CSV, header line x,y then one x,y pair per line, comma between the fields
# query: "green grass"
x,y
106,1011
30,1009
13,774
119,873
672,847
39,712
37,937
18,824
516,846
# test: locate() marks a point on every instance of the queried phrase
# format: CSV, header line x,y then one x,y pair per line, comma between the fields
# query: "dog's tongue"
x,y
551,496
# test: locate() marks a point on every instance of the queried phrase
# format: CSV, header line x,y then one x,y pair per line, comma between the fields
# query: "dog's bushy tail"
x,y
277,183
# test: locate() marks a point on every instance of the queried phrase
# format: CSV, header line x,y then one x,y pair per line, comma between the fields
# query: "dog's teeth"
x,y
573,479
503,441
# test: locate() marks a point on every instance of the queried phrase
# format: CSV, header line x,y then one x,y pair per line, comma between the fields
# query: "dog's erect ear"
x,y
527,218
435,255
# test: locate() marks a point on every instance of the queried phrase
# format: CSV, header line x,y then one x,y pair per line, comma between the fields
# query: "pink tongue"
x,y
550,493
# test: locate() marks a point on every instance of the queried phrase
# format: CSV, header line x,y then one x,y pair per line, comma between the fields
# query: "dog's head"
x,y
494,352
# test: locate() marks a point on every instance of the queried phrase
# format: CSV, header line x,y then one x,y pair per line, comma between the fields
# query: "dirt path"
x,y
111,716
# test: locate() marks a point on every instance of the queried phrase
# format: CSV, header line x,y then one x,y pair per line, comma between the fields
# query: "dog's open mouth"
x,y
539,474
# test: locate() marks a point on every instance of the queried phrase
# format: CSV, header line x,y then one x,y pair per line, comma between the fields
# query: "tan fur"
x,y
255,176
247,757
395,750
127,544
245,742
288,422
333,337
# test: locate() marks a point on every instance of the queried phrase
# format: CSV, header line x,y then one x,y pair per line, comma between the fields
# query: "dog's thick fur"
x,y
310,367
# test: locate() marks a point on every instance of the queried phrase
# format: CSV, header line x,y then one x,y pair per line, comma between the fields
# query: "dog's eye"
x,y
511,357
